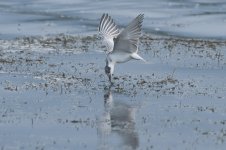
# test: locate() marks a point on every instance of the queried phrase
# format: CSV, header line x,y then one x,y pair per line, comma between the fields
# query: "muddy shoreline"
x,y
54,94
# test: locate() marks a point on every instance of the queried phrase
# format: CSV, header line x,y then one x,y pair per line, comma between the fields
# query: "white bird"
x,y
122,46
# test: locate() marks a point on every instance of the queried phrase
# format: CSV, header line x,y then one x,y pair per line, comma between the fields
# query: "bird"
x,y
122,46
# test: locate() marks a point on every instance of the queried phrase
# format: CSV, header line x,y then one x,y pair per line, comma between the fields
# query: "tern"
x,y
121,46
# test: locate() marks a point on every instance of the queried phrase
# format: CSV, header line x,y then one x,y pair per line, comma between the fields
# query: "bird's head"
x,y
109,68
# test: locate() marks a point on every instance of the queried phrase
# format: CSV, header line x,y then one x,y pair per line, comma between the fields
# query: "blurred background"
x,y
186,18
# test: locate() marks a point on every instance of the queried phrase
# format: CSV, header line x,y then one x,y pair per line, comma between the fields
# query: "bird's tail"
x,y
138,57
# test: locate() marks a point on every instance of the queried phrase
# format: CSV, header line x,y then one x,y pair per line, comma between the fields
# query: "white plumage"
x,y
122,46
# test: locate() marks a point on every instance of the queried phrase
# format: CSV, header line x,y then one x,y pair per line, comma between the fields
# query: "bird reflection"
x,y
117,119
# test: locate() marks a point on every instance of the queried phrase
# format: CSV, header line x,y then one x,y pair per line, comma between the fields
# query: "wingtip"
x,y
107,26
104,15
141,16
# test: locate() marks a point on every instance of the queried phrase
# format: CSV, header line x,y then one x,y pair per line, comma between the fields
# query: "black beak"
x,y
107,71
109,77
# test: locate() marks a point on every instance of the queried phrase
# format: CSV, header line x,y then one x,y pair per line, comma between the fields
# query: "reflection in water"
x,y
118,119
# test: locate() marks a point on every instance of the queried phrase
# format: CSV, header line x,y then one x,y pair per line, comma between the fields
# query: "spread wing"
x,y
127,40
108,30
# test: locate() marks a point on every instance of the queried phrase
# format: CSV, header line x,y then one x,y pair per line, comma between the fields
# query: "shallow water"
x,y
54,93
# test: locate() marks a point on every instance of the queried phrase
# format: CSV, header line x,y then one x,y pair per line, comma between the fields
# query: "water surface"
x,y
54,93
191,18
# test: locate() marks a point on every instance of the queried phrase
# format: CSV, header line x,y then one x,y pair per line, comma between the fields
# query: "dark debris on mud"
x,y
205,52
32,56
61,43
